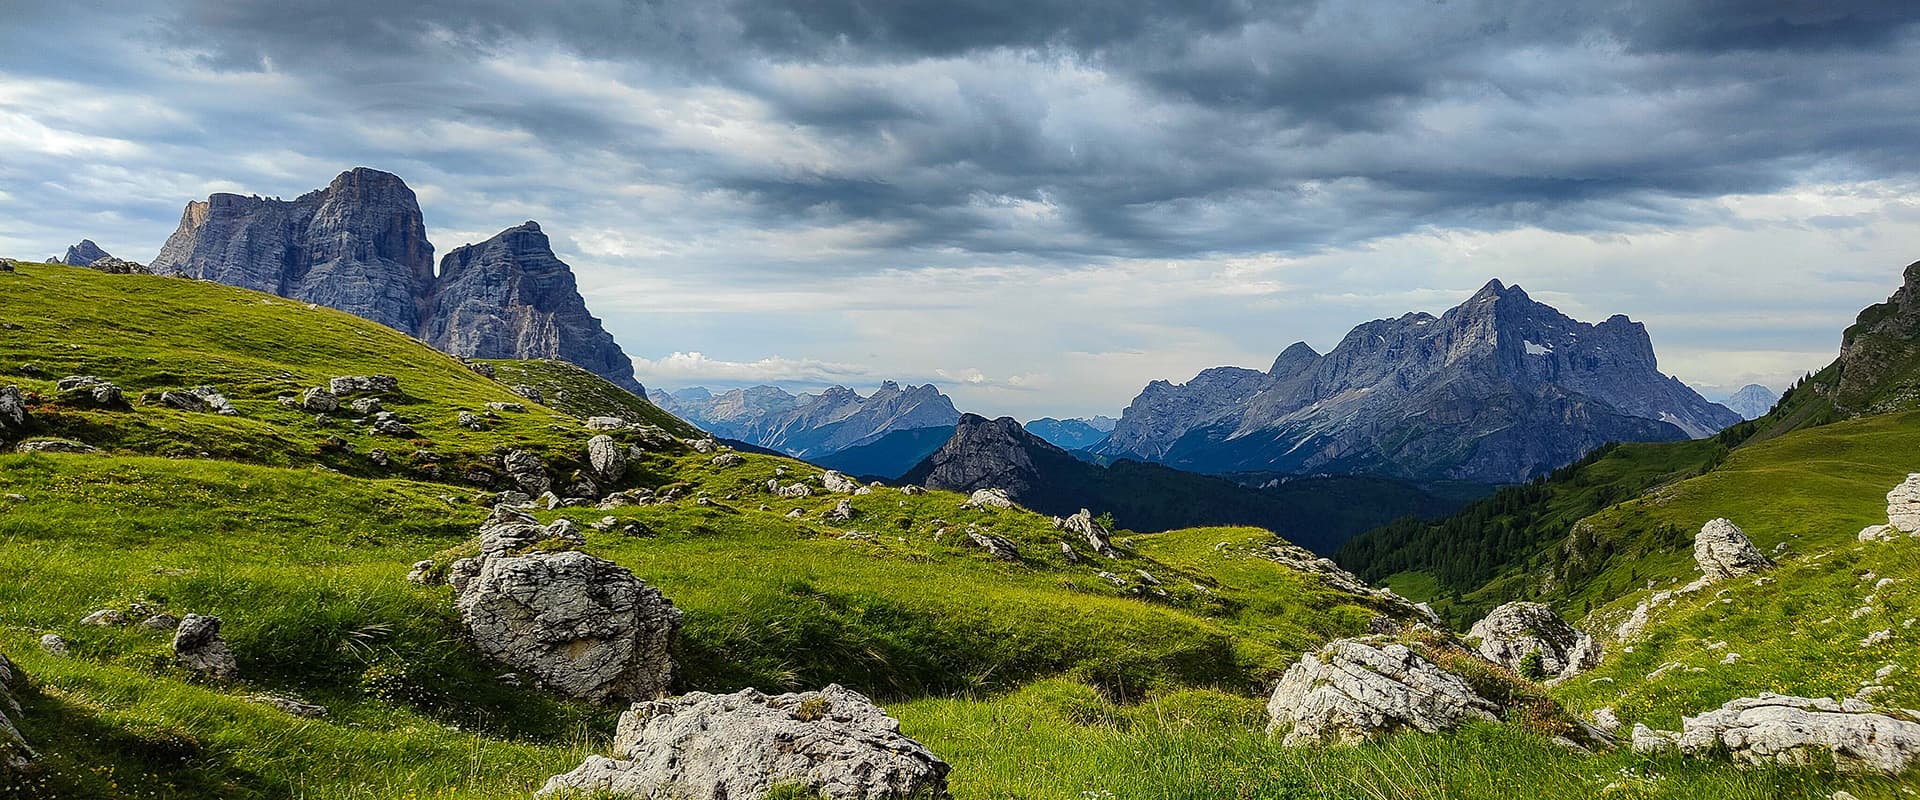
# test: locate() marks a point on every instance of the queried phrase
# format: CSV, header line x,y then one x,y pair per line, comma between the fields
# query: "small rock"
x,y
725,460
289,705
1097,537
1648,741
354,384
106,617
160,622
836,483
841,512
998,546
319,401
367,405
526,391
54,446
989,498
197,646
422,572
607,423
608,460
1512,632
54,644
515,408
89,389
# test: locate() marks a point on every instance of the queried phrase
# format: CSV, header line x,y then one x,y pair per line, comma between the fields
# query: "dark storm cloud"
x,y
1156,128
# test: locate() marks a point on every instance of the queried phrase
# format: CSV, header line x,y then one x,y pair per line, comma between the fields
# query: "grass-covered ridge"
x,y
1037,678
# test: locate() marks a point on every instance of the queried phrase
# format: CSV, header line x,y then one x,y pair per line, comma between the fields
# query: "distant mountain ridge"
x,y
1073,434
360,245
1316,513
812,425
1496,390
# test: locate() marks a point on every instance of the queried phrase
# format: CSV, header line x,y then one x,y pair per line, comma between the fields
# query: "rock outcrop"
x,y
983,454
1511,634
197,646
1723,551
833,743
199,399
1495,390
1353,690
15,754
360,245
511,297
1903,505
582,626
1772,729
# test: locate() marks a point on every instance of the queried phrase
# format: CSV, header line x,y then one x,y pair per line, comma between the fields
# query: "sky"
x,y
1038,205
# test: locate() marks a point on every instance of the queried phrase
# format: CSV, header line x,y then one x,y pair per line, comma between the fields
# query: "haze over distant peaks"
x,y
1072,434
1495,390
360,245
812,425
1752,401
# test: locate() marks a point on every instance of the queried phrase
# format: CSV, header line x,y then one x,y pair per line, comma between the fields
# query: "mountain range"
x,y
360,245
812,426
1078,433
1316,513
1496,390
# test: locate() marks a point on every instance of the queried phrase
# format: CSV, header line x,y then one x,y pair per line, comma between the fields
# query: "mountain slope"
x,y
1496,390
888,457
360,245
1314,513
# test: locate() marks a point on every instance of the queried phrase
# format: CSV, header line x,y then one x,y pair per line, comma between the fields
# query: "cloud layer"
x,y
1043,204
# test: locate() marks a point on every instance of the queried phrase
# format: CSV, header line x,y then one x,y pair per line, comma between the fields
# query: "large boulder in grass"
x,y
1850,735
833,743
1723,551
582,626
1514,633
1354,690
1903,505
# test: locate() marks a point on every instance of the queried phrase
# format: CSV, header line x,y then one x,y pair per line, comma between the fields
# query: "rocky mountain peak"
x,y
511,297
1495,389
1293,360
360,245
1878,353
84,254
986,453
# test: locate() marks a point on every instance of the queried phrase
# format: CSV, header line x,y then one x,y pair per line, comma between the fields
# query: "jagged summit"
x,y
360,245
1496,389
84,254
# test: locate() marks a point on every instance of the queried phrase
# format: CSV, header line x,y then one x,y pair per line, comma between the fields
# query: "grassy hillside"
x,y
1490,551
151,334
572,390
1036,679
1802,497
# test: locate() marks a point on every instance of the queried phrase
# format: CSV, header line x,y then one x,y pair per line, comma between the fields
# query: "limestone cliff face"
x,y
1877,370
510,297
1497,389
360,245
993,454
